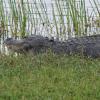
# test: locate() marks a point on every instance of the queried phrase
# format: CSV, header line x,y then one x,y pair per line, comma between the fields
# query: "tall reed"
x,y
69,17
2,18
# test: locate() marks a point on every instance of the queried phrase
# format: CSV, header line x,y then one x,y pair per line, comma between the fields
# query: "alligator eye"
x,y
52,39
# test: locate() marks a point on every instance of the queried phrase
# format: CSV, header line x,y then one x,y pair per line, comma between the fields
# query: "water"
x,y
39,28
44,30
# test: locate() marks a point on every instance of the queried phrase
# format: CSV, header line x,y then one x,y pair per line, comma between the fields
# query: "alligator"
x,y
87,45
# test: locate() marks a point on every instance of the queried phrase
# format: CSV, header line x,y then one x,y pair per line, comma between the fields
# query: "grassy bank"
x,y
49,77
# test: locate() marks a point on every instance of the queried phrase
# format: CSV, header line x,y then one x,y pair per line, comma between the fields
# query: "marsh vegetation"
x,y
49,76
59,18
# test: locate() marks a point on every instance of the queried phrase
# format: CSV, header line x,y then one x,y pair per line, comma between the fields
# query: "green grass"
x,y
49,77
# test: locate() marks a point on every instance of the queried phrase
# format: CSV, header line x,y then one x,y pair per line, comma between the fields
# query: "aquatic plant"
x,y
66,18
